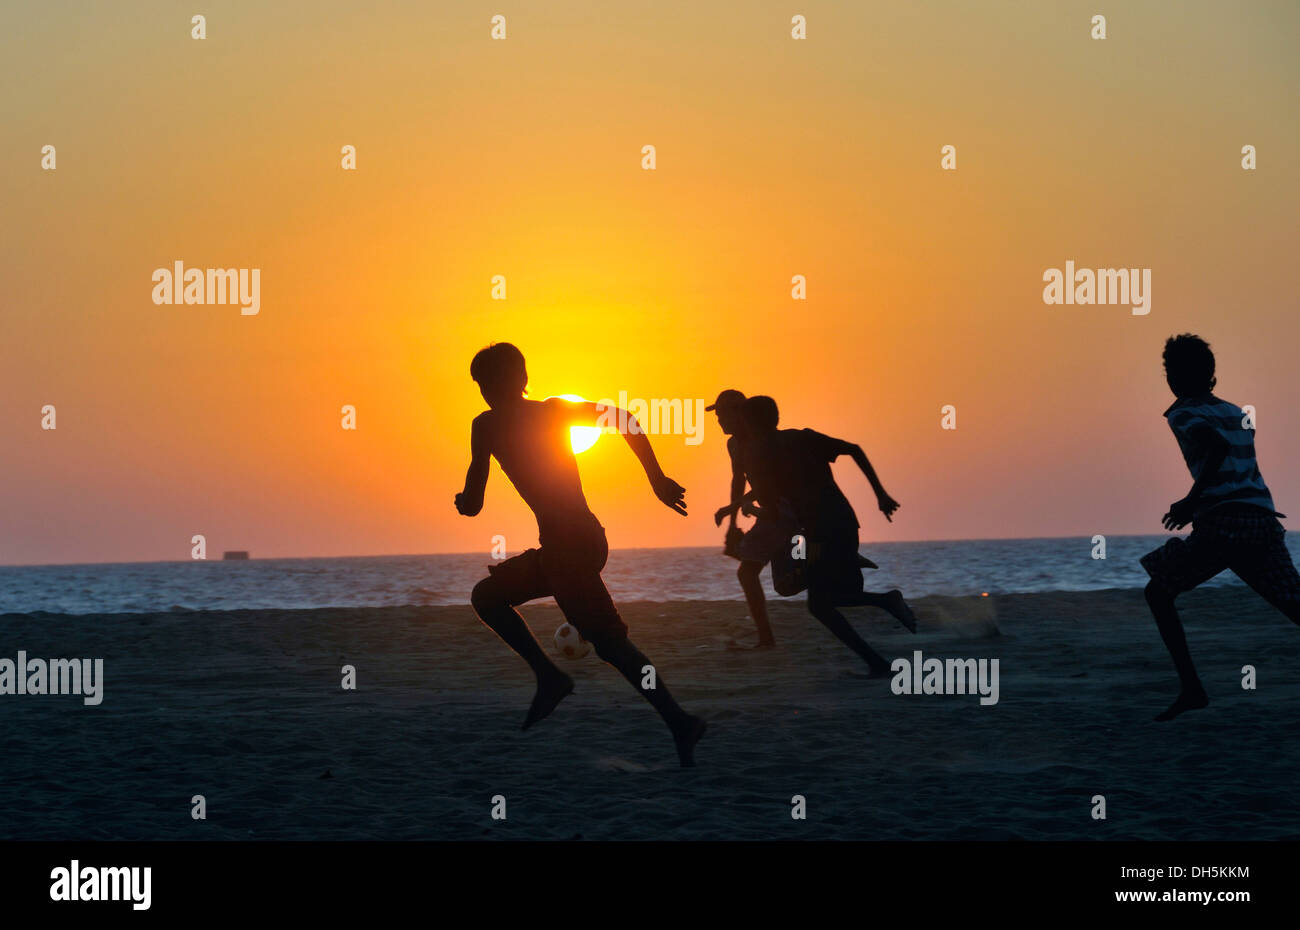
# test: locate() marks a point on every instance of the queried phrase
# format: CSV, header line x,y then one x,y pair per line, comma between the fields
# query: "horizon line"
x,y
420,555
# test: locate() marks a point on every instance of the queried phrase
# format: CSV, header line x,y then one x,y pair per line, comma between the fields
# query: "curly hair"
x,y
1189,365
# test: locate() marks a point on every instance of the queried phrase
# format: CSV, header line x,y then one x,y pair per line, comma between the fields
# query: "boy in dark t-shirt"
x,y
795,465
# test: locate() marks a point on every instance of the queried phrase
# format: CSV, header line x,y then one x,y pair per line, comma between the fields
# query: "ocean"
x,y
996,566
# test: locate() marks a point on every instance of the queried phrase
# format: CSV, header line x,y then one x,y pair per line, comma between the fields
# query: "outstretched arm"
x,y
470,501
888,506
672,494
666,489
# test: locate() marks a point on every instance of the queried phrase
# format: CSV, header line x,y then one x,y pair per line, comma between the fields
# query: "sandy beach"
x,y
246,709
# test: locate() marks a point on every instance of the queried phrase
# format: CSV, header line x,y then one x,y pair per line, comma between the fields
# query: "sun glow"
x,y
581,438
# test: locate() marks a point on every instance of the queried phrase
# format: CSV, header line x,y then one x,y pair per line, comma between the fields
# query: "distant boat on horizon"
x,y
235,555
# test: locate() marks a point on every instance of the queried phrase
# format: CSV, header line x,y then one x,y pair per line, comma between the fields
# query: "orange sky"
x,y
522,158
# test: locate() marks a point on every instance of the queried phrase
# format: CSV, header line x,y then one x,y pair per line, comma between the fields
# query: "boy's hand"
x,y
670,492
1179,515
888,506
467,507
722,514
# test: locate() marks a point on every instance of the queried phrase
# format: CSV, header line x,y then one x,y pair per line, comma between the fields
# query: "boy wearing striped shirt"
x,y
1234,525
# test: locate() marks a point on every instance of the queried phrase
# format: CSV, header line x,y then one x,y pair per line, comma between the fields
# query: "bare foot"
x,y
1186,700
764,642
898,608
686,735
551,690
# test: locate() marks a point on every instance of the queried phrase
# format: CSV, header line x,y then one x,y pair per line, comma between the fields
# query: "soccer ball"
x,y
569,642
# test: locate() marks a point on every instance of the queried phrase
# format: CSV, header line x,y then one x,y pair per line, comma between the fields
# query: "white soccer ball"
x,y
569,642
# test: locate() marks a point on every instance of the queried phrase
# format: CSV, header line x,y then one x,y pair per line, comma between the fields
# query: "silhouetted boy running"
x,y
795,465
1230,508
530,441
756,547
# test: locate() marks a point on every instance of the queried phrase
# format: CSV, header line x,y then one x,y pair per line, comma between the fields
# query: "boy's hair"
x,y
1189,365
760,412
498,364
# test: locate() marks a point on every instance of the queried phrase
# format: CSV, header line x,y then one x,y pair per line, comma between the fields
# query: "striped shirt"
x,y
1238,480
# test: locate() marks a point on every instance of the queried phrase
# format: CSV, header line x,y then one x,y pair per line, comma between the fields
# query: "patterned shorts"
x,y
1248,540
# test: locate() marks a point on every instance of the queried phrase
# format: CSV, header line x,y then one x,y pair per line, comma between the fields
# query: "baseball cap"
x,y
727,398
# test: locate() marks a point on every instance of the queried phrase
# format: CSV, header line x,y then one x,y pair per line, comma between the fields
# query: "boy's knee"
x,y
486,595
608,644
748,570
1157,595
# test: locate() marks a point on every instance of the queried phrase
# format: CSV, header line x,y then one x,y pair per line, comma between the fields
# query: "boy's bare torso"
x,y
530,441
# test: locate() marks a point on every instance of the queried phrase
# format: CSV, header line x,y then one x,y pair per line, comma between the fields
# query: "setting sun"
x,y
581,438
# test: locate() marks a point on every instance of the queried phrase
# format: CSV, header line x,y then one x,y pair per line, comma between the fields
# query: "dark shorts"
x,y
834,573
1248,540
767,538
567,569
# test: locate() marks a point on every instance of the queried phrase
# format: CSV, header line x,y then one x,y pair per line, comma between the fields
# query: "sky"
x,y
522,157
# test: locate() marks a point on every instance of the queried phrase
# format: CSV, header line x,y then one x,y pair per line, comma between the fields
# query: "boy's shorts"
x,y
1248,540
765,540
834,573
569,571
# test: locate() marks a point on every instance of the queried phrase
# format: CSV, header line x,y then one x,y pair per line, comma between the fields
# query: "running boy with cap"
x,y
764,540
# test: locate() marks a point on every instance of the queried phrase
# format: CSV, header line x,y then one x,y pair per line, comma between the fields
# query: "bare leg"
x,y
834,621
1192,696
630,661
891,601
748,573
493,609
